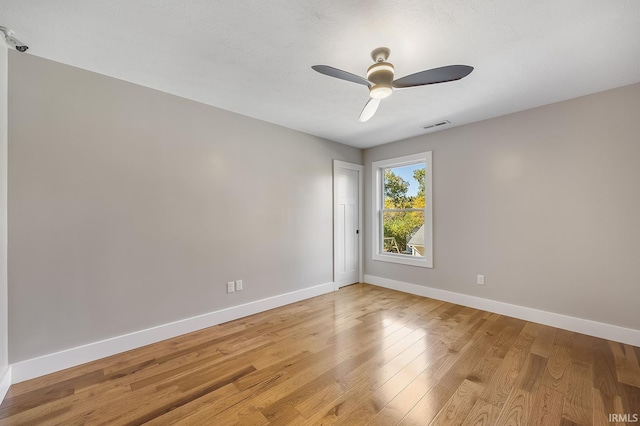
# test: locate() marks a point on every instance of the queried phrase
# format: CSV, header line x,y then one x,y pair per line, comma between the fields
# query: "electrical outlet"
x,y
480,280
230,287
238,285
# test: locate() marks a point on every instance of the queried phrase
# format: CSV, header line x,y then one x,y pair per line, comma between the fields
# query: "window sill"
x,y
404,260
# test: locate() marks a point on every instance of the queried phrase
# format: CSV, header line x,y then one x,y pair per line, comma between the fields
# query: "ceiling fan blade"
x,y
369,109
343,75
433,76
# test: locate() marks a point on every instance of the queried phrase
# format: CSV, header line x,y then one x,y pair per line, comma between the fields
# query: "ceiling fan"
x,y
381,83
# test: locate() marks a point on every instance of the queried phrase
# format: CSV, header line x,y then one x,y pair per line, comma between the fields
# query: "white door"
x,y
346,219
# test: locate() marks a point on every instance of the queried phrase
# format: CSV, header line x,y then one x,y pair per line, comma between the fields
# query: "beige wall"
x,y
545,203
3,208
130,208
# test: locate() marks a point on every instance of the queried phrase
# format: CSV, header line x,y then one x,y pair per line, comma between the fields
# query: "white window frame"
x,y
378,202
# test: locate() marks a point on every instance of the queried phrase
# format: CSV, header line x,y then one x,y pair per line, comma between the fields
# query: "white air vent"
x,y
438,124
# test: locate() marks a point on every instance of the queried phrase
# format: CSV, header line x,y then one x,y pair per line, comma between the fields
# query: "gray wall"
x,y
131,208
3,208
545,203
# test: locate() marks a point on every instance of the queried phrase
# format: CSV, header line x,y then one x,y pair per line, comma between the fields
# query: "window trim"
x,y
378,198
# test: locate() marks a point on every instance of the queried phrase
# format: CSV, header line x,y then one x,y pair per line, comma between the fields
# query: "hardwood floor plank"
x,y
489,363
604,377
458,407
629,399
581,349
547,407
396,338
174,372
543,344
374,391
627,367
385,385
342,410
504,379
600,411
182,412
482,414
556,374
567,422
577,405
342,370
450,376
534,368
404,401
362,355
32,399
516,409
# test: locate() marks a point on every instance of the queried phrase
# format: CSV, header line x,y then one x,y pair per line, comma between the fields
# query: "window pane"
x,y
404,187
403,233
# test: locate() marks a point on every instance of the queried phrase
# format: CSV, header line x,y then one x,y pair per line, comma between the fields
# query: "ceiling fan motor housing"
x,y
381,75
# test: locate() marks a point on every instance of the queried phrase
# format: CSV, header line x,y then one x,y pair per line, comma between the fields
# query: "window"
x,y
402,225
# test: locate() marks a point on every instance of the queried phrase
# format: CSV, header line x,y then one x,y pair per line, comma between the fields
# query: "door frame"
x,y
337,164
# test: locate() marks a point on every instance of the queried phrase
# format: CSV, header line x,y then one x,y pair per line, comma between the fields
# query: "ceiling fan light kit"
x,y
380,91
381,75
380,78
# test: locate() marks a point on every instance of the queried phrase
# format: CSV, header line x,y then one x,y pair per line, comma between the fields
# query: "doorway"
x,y
347,223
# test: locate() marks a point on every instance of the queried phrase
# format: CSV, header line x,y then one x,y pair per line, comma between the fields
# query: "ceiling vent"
x,y
438,124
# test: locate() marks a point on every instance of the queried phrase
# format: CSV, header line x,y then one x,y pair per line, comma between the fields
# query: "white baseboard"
x,y
35,367
5,382
579,325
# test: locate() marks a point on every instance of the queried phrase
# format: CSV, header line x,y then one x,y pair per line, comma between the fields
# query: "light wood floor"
x,y
363,355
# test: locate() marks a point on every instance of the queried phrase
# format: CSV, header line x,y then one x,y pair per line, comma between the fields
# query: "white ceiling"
x,y
254,57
